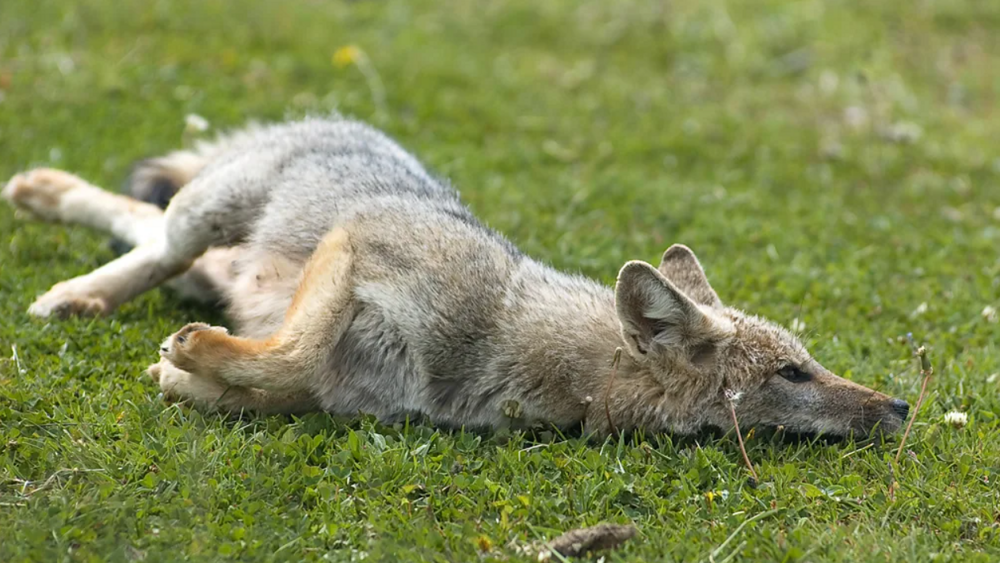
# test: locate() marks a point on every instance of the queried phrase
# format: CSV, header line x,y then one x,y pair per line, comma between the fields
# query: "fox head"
x,y
677,330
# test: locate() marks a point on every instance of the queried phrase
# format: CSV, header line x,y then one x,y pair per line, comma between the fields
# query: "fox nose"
x,y
902,408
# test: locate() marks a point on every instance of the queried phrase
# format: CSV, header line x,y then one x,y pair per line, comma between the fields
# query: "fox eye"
x,y
794,374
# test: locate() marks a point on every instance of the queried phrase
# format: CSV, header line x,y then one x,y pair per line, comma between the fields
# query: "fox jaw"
x,y
677,331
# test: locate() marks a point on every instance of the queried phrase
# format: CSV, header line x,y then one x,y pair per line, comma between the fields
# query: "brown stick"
x,y
926,369
739,436
575,543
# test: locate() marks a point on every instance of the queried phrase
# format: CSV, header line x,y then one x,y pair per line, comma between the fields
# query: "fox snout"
x,y
845,407
817,401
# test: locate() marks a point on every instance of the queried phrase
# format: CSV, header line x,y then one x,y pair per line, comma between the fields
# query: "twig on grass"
x,y
926,369
732,397
582,541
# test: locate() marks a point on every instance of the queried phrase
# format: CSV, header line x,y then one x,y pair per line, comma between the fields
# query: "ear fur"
x,y
681,266
654,312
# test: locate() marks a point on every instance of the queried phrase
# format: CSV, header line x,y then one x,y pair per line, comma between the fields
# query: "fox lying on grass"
x,y
360,283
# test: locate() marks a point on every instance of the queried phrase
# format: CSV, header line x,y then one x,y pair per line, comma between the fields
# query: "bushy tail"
x,y
157,180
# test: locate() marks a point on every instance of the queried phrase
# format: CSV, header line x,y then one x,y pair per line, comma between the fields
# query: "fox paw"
x,y
181,348
177,385
40,191
64,300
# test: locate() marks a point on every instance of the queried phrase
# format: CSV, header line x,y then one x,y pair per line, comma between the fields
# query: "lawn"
x,y
836,165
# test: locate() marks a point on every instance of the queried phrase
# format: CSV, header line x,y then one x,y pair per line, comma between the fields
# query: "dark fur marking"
x,y
119,247
161,191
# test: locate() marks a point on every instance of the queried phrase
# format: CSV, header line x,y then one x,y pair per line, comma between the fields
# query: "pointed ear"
x,y
681,266
653,311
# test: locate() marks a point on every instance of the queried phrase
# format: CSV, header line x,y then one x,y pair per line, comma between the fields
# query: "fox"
x,y
358,282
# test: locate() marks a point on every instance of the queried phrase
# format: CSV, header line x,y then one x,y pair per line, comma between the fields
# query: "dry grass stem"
x,y
926,369
732,398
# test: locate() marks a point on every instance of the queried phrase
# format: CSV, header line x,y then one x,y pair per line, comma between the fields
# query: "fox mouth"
x,y
883,427
866,425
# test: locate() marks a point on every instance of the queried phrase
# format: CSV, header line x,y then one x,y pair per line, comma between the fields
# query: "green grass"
x,y
591,132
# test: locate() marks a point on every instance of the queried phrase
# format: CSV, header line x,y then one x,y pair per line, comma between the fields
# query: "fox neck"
x,y
567,338
581,353
636,394
650,393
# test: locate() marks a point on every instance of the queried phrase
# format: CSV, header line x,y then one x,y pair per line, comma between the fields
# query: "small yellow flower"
x,y
484,543
346,55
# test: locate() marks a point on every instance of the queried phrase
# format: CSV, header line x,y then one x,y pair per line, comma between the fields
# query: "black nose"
x,y
902,408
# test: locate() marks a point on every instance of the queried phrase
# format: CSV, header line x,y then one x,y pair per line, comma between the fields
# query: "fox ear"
x,y
681,266
653,311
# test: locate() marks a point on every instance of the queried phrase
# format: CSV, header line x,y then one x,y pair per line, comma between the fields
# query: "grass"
x,y
834,164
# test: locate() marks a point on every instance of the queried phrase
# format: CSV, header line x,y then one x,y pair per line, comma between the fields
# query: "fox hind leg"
x,y
210,394
320,313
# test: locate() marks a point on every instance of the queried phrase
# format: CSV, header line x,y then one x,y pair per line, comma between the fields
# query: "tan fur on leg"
x,y
319,314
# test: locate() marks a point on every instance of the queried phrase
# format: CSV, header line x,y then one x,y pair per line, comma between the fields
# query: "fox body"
x,y
358,282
